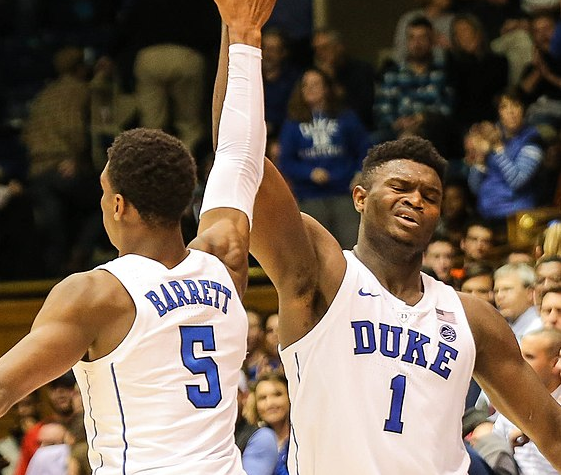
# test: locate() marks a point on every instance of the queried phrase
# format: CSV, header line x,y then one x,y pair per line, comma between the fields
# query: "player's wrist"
x,y
245,35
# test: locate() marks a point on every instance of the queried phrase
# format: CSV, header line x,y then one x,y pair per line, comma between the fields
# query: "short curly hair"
x,y
412,148
155,171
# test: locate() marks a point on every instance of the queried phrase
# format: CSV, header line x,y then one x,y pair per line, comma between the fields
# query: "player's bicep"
x,y
57,340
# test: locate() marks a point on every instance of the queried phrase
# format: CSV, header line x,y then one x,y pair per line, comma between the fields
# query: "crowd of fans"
x,y
480,78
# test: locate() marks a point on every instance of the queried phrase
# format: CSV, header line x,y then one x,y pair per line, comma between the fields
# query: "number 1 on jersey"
x,y
394,422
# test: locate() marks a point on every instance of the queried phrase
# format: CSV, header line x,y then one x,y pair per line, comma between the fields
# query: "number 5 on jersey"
x,y
201,365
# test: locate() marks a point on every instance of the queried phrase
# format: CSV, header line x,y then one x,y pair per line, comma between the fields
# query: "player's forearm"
x,y
238,166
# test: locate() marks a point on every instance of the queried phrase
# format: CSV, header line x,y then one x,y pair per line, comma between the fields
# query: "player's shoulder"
x,y
89,290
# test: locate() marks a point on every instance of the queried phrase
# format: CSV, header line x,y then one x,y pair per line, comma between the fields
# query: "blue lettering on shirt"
x,y
411,346
174,294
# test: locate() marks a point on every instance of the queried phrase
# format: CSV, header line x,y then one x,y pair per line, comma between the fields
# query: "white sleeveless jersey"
x,y
165,400
378,387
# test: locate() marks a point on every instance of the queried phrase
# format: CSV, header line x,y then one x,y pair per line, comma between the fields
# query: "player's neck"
x,y
399,275
164,245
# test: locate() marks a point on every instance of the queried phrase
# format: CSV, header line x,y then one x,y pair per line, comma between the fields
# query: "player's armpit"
x,y
302,259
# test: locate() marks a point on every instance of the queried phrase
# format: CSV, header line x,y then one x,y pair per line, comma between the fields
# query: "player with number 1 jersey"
x,y
379,355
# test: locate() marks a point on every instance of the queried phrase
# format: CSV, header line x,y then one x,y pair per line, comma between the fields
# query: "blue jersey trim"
x,y
297,365
296,448
93,421
126,445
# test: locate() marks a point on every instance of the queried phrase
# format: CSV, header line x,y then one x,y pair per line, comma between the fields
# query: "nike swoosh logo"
x,y
362,293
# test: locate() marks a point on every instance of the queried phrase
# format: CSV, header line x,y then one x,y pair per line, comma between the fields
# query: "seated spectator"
x,y
272,407
255,341
552,239
540,349
439,256
514,297
51,458
497,452
322,147
412,87
504,160
296,19
478,281
354,77
64,188
78,463
540,84
439,14
279,77
27,415
456,210
258,445
62,397
520,257
492,13
548,275
477,243
550,308
476,74
272,361
515,43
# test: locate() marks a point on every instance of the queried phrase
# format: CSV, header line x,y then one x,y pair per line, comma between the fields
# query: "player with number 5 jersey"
x,y
157,336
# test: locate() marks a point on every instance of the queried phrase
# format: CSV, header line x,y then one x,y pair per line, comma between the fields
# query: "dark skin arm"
x,y
85,313
224,232
511,384
293,249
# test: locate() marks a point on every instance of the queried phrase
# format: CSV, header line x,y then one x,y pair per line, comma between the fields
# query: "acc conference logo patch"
x,y
447,333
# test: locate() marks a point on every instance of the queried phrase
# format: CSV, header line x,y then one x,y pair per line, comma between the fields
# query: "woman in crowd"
x,y
272,408
504,160
321,149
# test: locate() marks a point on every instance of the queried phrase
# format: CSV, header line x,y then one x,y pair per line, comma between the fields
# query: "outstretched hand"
x,y
245,14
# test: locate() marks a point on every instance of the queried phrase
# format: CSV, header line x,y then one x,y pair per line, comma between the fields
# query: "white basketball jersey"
x,y
165,400
378,387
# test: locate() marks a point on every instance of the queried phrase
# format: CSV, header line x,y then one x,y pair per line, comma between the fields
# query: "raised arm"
x,y
511,384
293,250
227,206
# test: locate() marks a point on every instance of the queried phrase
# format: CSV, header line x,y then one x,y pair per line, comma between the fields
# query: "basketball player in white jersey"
x,y
157,336
377,354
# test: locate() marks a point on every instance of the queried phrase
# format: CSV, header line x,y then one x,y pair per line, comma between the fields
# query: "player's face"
x,y
403,201
550,310
272,402
107,204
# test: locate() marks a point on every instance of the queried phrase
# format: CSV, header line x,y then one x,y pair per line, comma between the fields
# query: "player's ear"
x,y
359,197
118,206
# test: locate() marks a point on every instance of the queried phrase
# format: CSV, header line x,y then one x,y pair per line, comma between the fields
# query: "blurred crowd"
x,y
480,78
